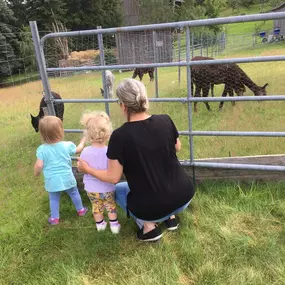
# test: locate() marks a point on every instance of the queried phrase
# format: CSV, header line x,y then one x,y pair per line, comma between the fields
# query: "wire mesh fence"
x,y
20,98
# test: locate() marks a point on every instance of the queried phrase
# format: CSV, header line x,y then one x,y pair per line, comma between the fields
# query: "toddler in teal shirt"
x,y
54,159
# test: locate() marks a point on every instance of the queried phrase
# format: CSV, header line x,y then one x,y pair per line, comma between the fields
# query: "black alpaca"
x,y
141,71
234,78
58,107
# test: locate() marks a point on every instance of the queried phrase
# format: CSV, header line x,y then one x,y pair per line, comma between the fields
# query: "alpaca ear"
x,y
265,85
32,117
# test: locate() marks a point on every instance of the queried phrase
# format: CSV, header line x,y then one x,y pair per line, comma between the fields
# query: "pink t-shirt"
x,y
96,158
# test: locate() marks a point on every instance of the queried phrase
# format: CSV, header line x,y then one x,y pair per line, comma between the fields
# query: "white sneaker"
x,y
115,227
101,227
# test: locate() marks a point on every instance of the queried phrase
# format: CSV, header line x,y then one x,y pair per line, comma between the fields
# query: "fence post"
x,y
155,60
189,95
42,68
191,38
102,63
179,54
207,45
201,44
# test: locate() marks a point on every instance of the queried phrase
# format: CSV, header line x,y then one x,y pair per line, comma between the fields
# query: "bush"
x,y
110,58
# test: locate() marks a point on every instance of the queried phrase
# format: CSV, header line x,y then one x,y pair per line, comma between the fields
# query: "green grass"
x,y
19,77
253,9
232,234
248,27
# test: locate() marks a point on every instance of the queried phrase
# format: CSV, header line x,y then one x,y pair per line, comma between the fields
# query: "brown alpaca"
x,y
141,71
230,74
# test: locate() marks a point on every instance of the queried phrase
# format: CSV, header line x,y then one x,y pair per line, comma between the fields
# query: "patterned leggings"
x,y
100,201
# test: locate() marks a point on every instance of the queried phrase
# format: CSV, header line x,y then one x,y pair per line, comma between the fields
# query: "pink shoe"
x,y
82,212
53,221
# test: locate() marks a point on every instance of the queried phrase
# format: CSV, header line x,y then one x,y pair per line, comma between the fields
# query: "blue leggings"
x,y
54,198
121,191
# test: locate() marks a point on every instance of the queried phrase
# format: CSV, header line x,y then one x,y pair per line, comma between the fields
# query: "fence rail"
x,y
188,25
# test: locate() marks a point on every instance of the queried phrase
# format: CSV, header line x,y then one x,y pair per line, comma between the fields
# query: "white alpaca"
x,y
110,79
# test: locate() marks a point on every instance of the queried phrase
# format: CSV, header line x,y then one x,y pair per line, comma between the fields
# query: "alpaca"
x,y
110,79
58,107
141,71
240,90
231,75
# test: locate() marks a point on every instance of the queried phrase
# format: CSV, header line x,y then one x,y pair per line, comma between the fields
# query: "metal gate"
x,y
39,44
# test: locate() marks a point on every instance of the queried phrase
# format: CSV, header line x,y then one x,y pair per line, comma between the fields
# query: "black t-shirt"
x,y
146,150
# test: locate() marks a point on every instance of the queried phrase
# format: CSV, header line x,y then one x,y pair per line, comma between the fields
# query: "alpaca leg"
x,y
206,90
151,77
135,74
231,93
212,89
224,95
197,94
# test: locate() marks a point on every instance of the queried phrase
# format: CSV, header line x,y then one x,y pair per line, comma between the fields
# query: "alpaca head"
x,y
261,91
35,122
240,89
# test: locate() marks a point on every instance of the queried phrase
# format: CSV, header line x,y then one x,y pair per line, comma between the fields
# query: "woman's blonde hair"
x,y
51,129
98,127
132,94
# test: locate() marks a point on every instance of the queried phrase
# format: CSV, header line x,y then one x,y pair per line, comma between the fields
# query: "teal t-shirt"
x,y
57,168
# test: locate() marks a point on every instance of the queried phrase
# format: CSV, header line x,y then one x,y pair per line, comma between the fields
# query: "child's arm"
x,y
80,147
38,167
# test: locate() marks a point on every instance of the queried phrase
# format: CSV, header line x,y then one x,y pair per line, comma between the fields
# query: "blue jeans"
x,y
54,198
121,192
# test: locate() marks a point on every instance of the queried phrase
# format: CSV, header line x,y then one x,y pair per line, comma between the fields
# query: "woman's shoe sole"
x,y
151,239
173,228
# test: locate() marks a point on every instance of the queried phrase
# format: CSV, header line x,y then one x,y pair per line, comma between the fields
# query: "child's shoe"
x,y
53,221
82,212
115,227
101,227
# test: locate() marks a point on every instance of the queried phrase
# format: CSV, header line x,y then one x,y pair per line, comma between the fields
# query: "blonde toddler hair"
x,y
51,129
98,127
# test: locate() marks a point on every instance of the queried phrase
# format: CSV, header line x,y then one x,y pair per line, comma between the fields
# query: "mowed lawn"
x,y
233,233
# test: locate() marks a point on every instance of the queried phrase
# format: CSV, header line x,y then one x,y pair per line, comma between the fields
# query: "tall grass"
x,y
232,233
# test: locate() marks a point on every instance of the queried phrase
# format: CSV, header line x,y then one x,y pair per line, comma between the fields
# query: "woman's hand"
x,y
83,166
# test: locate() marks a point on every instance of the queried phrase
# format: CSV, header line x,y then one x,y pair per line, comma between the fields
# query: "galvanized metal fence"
x,y
187,25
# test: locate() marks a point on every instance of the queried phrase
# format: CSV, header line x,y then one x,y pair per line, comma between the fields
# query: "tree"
x,y
19,9
156,11
9,45
45,12
88,14
27,52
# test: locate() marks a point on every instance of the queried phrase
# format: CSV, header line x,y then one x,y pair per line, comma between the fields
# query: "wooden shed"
x,y
144,46
279,23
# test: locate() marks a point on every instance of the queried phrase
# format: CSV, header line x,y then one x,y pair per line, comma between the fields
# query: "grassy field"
x,y
233,233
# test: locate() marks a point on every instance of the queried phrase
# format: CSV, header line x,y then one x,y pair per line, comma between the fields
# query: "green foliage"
x,y
45,12
156,11
27,52
19,9
275,3
88,14
110,57
9,45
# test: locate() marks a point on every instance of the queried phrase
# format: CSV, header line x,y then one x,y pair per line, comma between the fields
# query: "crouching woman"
x,y
144,149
